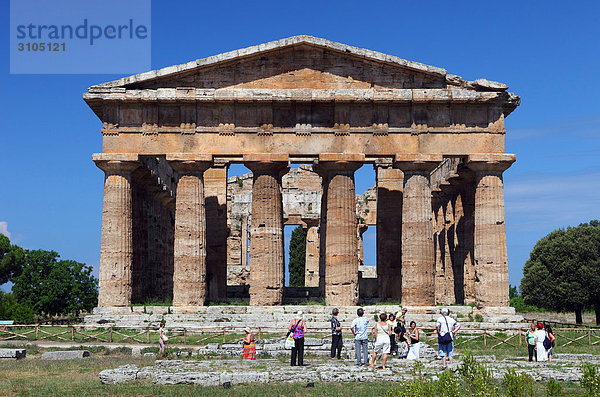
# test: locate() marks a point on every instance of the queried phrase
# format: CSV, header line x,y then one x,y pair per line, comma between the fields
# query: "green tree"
x,y
51,286
513,292
10,309
12,259
297,257
562,271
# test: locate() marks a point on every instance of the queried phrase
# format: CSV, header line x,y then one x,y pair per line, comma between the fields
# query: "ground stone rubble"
x,y
217,372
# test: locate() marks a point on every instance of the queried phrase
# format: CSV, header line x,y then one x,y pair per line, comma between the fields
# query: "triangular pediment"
x,y
296,62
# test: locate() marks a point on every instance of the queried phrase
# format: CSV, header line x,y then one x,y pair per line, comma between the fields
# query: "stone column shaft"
x,y
311,277
389,232
189,273
267,268
449,295
418,261
215,187
341,250
116,247
491,264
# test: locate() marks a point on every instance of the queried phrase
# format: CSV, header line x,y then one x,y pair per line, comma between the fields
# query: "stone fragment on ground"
x,y
236,371
65,355
12,354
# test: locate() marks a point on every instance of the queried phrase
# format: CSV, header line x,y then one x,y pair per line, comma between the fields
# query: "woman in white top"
x,y
540,350
382,339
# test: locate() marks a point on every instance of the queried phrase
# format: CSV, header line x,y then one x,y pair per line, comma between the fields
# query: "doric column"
x,y
189,272
341,251
215,198
491,263
439,245
116,247
311,276
267,269
418,262
389,231
449,240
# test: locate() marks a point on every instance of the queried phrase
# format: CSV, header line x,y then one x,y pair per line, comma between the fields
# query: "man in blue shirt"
x,y
361,338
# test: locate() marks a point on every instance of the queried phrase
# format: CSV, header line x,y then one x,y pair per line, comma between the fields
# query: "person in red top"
x,y
249,350
298,329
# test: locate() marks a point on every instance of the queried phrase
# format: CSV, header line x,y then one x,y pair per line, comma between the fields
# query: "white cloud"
x,y
4,228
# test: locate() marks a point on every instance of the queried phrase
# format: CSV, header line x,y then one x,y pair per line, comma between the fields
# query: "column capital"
x,y
272,163
116,163
417,162
490,162
328,163
384,162
187,163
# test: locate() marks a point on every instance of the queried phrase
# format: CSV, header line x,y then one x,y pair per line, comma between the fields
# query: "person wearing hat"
x,y
249,349
446,328
298,329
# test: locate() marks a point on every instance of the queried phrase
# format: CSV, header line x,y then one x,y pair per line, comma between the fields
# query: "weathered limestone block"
x,y
189,274
12,354
341,252
116,247
418,262
121,374
65,355
267,272
491,264
389,232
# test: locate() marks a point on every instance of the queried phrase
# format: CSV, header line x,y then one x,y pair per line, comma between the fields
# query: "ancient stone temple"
x,y
171,227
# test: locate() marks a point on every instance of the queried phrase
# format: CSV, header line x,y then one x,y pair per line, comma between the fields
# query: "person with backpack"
x,y
540,345
446,328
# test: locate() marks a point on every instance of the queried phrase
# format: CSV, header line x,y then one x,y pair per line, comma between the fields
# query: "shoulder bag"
x,y
447,337
289,340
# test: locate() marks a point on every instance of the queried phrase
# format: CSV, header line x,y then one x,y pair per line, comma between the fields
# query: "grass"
x,y
80,379
33,377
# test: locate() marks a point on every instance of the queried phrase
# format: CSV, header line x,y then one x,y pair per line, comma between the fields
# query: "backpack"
x,y
547,343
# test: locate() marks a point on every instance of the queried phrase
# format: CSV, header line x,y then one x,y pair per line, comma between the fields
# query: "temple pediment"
x,y
300,62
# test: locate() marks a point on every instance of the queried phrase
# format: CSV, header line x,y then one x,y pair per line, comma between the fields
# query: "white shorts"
x,y
382,347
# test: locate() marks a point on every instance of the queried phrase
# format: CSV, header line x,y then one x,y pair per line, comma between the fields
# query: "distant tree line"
x,y
43,284
563,272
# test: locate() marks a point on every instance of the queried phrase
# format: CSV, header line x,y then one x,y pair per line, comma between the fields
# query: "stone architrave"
x,y
116,247
311,276
491,262
418,261
267,268
341,250
189,272
389,231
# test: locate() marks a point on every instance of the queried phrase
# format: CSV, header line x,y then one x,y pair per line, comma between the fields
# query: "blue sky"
x,y
547,52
